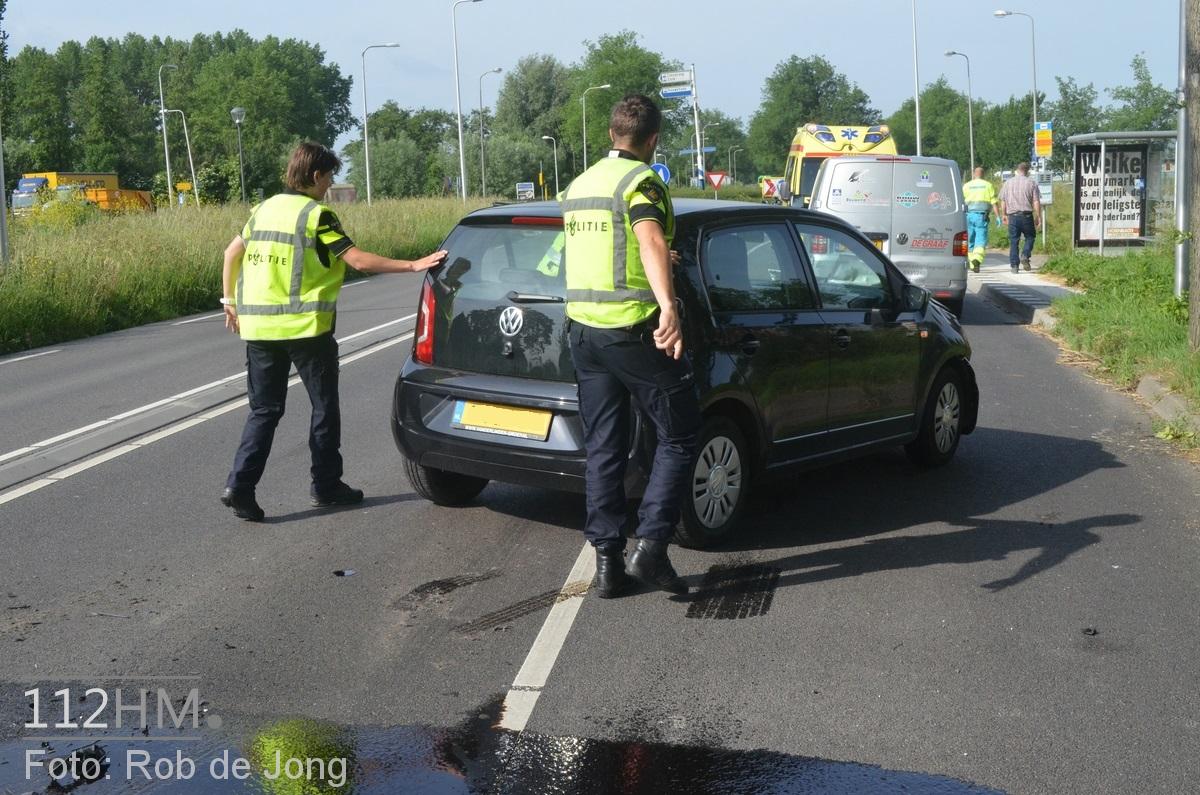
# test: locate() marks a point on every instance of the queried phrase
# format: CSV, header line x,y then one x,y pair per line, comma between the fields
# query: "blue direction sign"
x,y
675,92
663,172
707,149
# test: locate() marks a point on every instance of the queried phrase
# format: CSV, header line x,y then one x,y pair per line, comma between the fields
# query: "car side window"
x,y
753,268
848,274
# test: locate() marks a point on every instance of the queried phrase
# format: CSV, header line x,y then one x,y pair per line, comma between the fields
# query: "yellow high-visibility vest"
x,y
284,291
606,281
979,195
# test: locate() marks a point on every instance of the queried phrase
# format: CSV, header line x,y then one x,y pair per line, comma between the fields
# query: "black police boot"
x,y
337,494
611,579
649,564
243,504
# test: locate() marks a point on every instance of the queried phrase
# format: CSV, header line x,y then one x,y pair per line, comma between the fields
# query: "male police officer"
x,y
980,197
281,280
626,342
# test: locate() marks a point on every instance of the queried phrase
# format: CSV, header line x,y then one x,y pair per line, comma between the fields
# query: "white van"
x,y
911,208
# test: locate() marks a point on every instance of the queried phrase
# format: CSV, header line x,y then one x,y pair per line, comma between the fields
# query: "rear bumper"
x,y
423,405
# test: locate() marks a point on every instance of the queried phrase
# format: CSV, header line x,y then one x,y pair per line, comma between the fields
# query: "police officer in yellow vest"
x,y
281,280
979,196
626,343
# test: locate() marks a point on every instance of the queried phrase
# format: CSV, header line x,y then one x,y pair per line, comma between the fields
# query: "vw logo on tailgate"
x,y
510,321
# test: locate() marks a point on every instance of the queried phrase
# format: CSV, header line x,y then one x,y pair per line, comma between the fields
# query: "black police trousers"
x,y
614,367
267,365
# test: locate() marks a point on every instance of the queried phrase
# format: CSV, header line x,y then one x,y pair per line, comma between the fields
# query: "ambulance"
x,y
814,143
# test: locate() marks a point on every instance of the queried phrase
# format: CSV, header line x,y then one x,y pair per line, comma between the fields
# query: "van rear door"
x,y
927,215
861,193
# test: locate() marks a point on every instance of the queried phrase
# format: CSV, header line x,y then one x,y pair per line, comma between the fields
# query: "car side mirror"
x,y
914,298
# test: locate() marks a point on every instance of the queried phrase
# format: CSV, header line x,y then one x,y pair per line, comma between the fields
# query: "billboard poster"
x,y
1124,202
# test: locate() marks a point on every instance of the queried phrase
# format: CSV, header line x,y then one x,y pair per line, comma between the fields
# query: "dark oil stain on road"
x,y
473,757
732,591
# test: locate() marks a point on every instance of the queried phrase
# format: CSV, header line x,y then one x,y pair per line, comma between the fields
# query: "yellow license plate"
x,y
502,420
878,244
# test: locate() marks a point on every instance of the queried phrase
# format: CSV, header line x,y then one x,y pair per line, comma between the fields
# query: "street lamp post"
x,y
238,115
551,139
482,161
1033,128
191,165
916,78
583,101
1032,50
733,161
462,157
162,117
366,138
970,112
704,132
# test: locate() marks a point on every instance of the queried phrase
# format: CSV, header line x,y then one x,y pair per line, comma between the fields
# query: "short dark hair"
x,y
1022,168
635,118
309,157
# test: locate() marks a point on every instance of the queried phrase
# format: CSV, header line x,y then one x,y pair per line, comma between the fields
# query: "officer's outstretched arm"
x,y
367,262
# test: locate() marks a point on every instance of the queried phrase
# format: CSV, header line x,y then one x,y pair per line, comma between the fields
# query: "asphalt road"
x,y
1022,620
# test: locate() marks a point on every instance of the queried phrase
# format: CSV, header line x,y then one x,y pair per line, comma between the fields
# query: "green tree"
x,y
620,61
533,96
1145,105
1004,135
944,127
803,90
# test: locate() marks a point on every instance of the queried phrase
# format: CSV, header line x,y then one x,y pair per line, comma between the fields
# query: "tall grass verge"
x,y
1129,318
89,273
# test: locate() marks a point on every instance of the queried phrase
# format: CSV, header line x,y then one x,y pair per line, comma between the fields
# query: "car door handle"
x,y
749,344
841,338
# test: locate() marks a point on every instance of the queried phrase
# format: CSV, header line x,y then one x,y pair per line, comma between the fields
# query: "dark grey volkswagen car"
x,y
808,345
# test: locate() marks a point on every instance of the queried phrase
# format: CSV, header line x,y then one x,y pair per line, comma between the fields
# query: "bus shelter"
x,y
1124,187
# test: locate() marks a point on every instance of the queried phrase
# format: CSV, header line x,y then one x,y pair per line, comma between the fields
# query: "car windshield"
x,y
21,201
486,263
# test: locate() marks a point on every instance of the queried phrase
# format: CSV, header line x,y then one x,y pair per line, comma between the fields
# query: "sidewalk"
x,y
1026,294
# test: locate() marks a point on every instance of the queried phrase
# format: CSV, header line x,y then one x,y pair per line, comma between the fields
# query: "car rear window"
x,y
859,187
485,263
930,186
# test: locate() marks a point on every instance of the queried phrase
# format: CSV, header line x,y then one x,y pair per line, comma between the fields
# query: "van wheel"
x,y
441,487
939,433
718,487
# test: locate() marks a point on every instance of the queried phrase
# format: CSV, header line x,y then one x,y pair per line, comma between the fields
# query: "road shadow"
x,y
982,540
368,502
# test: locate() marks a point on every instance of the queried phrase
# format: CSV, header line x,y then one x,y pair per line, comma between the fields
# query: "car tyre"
x,y
940,431
718,485
441,487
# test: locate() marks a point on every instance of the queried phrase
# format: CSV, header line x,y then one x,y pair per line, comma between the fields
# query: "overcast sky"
x,y
734,45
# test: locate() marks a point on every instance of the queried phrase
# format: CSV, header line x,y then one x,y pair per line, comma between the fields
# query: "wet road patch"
x,y
734,591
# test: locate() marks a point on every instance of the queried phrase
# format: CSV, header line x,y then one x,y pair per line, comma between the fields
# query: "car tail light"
x,y
820,244
423,350
960,244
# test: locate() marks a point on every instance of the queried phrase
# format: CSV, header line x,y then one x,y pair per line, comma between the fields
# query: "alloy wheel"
x,y
946,417
717,481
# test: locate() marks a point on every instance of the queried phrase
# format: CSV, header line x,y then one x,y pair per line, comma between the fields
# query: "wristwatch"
x,y
227,301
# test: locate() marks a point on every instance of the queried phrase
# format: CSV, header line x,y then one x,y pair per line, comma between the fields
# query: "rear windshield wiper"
x,y
533,298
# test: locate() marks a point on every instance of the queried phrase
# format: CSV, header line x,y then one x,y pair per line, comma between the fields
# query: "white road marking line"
x,y
29,356
168,400
28,488
527,687
149,438
376,328
198,319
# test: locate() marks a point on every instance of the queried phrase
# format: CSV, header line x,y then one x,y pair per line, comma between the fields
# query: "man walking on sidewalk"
x,y
1021,203
980,198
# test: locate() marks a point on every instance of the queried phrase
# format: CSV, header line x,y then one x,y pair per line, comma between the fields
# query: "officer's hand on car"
x,y
668,337
430,261
675,258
